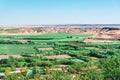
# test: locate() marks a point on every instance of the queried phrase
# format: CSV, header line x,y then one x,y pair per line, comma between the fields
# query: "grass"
x,y
58,35
60,40
18,48
104,43
37,39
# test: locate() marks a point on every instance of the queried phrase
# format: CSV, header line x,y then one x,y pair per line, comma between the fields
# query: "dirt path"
x,y
57,56
92,40
7,56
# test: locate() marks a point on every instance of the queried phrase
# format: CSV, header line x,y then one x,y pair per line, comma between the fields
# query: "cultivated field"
x,y
75,53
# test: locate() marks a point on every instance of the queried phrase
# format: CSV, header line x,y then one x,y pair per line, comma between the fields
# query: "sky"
x,y
14,12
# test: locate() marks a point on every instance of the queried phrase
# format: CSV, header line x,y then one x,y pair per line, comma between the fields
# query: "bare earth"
x,y
92,40
7,56
57,56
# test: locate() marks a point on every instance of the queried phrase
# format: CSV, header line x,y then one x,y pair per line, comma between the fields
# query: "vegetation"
x,y
38,57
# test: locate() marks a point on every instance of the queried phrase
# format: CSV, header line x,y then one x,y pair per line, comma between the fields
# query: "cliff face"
x,y
105,32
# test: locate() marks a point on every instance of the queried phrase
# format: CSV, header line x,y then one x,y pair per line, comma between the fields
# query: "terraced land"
x,y
20,44
74,55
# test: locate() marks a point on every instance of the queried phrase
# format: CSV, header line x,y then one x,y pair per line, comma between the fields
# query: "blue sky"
x,y
59,12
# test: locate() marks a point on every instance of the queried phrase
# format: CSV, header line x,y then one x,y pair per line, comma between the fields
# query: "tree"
x,y
92,74
111,68
11,62
7,71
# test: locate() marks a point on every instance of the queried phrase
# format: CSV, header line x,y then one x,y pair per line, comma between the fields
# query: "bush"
x,y
111,68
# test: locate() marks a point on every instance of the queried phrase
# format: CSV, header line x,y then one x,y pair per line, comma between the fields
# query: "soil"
x,y
57,56
92,40
7,56
75,43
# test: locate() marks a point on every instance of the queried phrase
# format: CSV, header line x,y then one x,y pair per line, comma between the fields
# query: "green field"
x,y
49,51
9,44
57,35
18,48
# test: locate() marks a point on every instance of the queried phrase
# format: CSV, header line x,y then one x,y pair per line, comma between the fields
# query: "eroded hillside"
x,y
99,32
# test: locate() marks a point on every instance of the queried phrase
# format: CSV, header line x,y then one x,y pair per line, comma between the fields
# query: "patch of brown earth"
x,y
57,56
75,43
93,40
7,56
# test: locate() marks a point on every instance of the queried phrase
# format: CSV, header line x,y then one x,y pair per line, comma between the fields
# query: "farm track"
x,y
7,56
93,40
57,56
